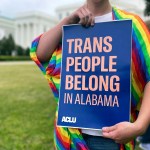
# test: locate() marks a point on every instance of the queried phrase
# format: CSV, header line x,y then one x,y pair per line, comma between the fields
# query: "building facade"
x,y
6,27
28,25
31,24
134,6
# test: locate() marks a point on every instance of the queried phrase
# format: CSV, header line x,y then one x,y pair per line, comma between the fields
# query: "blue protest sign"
x,y
95,75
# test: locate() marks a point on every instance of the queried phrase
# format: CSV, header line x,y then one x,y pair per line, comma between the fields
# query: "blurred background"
x,y
26,103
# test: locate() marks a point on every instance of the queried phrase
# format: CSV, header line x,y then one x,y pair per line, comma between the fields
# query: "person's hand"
x,y
122,132
82,16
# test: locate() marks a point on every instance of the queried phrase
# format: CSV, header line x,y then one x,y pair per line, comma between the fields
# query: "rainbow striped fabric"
x,y
71,139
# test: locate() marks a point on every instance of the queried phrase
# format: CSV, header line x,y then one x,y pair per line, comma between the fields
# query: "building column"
x,y
21,34
28,39
40,28
35,30
17,34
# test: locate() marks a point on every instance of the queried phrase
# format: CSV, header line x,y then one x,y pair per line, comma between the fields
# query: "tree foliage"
x,y
147,9
8,46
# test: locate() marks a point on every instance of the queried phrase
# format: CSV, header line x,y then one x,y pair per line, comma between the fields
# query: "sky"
x,y
11,7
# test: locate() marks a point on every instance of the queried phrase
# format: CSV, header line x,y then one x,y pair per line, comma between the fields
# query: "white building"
x,y
6,27
134,6
26,26
31,24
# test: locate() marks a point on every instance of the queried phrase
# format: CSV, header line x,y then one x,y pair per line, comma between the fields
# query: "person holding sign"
x,y
46,52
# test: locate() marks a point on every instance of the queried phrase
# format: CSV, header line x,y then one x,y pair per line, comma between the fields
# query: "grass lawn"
x,y
26,109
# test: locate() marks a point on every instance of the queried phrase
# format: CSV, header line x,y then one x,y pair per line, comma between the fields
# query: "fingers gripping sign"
x,y
82,16
122,132
88,17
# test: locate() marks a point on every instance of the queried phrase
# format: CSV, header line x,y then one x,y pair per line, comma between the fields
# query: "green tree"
x,y
3,46
147,9
7,45
27,51
20,50
10,44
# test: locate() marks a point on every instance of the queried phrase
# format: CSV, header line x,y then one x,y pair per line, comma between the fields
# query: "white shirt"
x,y
104,18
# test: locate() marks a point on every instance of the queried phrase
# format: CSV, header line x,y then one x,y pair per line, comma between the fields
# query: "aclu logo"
x,y
68,119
